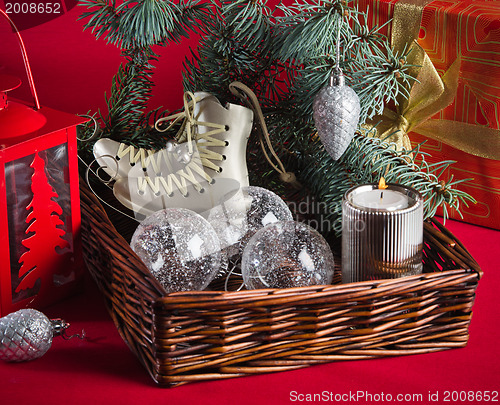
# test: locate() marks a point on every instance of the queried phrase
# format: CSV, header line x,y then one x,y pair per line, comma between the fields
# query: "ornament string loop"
x,y
80,336
228,276
337,50
244,93
337,75
103,181
100,169
95,131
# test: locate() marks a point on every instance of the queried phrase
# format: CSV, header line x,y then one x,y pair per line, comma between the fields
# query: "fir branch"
x,y
149,22
103,18
368,159
142,23
130,93
311,31
384,78
236,46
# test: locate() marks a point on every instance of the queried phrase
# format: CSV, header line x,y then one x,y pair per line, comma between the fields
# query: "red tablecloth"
x,y
101,369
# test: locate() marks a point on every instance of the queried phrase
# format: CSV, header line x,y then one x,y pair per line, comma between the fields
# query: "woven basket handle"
x,y
25,60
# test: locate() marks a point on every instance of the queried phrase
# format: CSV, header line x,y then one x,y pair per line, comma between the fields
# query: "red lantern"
x,y
40,249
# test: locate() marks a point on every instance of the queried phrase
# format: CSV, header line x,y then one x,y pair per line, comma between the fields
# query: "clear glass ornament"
x,y
241,214
285,255
179,247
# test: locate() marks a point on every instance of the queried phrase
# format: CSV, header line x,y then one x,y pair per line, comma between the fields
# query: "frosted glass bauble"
x,y
241,214
287,254
179,247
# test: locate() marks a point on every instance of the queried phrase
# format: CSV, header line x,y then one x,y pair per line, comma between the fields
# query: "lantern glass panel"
x,y
39,217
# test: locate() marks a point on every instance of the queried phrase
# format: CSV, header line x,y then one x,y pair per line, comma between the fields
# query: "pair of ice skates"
x,y
207,161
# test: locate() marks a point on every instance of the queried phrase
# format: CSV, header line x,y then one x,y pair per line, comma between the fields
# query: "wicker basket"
x,y
195,336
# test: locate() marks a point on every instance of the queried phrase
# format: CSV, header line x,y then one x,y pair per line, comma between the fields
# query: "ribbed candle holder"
x,y
382,232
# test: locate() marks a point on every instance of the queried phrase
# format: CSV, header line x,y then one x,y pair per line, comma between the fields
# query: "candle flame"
x,y
381,184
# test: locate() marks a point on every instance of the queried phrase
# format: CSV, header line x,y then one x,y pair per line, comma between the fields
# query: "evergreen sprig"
x,y
142,23
309,31
237,45
366,161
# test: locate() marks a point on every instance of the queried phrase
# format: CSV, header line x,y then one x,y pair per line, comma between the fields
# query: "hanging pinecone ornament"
x,y
27,335
336,114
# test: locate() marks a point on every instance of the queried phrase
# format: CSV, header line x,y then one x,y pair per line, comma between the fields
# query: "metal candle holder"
x,y
381,240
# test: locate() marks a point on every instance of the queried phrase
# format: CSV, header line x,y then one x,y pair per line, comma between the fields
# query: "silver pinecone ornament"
x,y
336,114
27,335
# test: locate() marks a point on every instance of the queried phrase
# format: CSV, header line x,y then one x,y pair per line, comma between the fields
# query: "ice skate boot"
x,y
207,162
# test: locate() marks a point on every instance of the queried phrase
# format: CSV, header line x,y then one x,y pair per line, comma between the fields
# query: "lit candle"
x,y
380,198
382,232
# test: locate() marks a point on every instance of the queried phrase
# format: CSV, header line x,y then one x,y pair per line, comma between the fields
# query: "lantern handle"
x,y
25,59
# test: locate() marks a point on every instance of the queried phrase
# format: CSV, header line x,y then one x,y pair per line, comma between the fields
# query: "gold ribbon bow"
x,y
429,95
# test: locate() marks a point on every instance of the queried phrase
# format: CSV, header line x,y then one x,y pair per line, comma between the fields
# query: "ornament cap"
x,y
337,77
59,326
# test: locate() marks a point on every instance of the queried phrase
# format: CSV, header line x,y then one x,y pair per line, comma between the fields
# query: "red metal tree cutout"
x,y
44,220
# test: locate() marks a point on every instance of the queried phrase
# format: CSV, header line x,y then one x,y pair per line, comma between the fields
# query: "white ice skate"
x,y
207,161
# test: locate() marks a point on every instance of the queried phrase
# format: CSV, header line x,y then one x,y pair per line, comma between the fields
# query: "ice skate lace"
x,y
198,145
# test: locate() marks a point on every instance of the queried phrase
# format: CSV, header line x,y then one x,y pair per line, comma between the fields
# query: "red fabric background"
x,y
72,72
